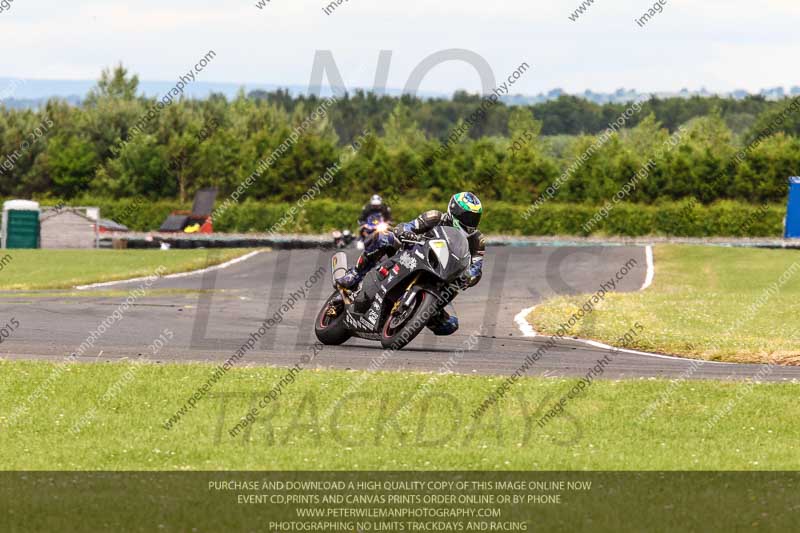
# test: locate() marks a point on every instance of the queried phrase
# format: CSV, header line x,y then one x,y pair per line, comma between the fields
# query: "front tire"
x,y
396,335
331,330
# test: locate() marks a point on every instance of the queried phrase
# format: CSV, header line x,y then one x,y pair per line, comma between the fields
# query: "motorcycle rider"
x,y
375,205
463,212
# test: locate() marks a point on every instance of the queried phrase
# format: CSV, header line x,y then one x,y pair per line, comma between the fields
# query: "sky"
x,y
715,44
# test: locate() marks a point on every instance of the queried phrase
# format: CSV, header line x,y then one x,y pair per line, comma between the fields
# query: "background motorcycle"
x,y
342,239
398,297
373,223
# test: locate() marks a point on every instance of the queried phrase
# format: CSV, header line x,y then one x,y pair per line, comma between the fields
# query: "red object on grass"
x,y
207,227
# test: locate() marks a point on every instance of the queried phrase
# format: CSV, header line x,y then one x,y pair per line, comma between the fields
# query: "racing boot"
x,y
443,323
354,275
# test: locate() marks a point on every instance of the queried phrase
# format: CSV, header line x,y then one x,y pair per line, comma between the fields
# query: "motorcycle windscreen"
x,y
448,252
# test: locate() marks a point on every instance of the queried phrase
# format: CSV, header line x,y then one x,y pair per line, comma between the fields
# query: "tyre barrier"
x,y
215,241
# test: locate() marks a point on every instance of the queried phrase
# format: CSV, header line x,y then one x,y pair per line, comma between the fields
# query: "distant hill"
x,y
25,94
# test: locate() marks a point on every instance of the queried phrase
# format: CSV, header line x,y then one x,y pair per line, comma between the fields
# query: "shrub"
x,y
688,218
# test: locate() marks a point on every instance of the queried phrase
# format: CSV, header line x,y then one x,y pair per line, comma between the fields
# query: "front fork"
x,y
407,299
334,307
409,296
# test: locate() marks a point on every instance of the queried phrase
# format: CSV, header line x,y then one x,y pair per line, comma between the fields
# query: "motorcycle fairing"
x,y
371,303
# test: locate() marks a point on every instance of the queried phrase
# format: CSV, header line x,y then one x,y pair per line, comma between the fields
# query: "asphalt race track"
x,y
212,314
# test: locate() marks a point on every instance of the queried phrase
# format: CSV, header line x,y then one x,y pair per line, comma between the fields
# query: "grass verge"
x,y
713,303
64,269
602,429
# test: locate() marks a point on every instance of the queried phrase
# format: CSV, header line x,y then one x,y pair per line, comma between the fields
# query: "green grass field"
x,y
64,269
601,430
714,303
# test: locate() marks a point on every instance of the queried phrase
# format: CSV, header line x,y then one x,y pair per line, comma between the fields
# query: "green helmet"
x,y
465,209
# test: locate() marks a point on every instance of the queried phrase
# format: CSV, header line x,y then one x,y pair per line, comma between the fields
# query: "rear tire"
x,y
331,331
397,337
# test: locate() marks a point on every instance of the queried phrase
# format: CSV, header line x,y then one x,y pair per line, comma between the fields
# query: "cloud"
x,y
718,44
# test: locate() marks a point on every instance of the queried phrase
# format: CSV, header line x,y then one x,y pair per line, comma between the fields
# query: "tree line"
x,y
513,153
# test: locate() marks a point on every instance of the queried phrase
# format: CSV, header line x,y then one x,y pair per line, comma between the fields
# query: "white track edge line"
x,y
651,268
528,331
522,322
221,266
527,328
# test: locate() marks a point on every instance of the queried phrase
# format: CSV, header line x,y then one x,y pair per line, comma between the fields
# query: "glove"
x,y
402,232
473,275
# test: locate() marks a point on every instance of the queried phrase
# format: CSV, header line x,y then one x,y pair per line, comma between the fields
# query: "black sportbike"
x,y
399,296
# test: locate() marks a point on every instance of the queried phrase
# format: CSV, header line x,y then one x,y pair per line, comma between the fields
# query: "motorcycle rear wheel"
x,y
331,330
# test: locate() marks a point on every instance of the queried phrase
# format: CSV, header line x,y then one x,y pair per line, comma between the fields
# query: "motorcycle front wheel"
x,y
402,326
329,326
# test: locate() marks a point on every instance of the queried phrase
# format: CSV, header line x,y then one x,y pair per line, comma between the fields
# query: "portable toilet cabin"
x,y
20,224
792,225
